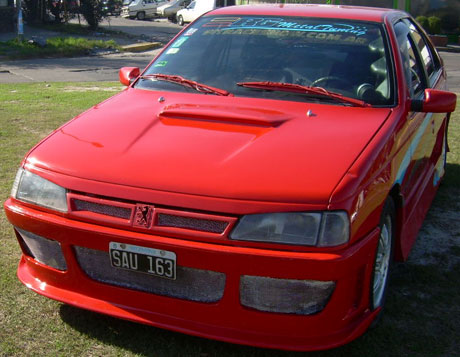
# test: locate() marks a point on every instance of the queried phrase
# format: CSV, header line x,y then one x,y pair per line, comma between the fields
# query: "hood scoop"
x,y
224,114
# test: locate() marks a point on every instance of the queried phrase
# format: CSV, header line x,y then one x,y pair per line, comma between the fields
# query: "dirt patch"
x,y
92,89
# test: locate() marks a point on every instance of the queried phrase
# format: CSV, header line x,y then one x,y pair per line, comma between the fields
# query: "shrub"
x,y
423,21
434,24
92,12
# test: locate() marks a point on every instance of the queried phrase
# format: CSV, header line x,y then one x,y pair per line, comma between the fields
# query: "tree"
x,y
92,12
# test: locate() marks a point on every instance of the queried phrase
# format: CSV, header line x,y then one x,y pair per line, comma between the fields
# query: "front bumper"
x,y
345,317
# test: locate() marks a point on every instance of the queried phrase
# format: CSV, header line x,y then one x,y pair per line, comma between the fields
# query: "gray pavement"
x,y
154,30
452,63
77,69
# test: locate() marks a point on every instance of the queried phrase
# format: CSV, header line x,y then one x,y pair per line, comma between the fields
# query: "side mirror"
x,y
128,74
436,101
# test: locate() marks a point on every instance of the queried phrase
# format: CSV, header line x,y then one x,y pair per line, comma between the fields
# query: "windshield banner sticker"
x,y
160,64
309,37
179,42
172,51
222,22
190,32
291,25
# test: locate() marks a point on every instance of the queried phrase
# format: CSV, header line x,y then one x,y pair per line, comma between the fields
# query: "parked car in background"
x,y
140,9
170,9
112,7
198,8
252,185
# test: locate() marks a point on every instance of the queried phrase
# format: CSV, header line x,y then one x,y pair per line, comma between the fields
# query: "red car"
x,y
251,185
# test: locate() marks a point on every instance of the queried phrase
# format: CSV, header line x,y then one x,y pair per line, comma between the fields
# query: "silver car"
x,y
170,9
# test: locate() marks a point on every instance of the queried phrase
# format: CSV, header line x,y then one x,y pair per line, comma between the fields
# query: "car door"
x,y
150,8
421,71
431,63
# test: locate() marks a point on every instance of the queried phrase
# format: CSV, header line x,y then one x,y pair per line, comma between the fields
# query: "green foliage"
x,y
423,21
35,11
434,24
92,12
56,46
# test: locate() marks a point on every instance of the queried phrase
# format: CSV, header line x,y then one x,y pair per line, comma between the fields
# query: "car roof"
x,y
312,10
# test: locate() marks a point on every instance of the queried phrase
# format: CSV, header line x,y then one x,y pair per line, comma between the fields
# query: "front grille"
x,y
190,284
109,210
145,216
205,225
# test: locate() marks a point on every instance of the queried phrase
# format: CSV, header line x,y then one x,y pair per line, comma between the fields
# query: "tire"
x,y
383,258
141,15
180,20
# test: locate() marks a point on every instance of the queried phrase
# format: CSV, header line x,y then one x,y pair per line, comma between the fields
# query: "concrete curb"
x,y
142,46
449,48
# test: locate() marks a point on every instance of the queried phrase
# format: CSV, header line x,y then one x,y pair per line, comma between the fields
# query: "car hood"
x,y
241,148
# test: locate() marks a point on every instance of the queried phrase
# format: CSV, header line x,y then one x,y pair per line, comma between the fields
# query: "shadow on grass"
x,y
147,340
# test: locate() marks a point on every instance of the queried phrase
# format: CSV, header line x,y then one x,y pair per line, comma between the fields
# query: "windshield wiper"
x,y
200,87
297,88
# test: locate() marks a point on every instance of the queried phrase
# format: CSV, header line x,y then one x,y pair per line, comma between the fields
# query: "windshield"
x,y
345,57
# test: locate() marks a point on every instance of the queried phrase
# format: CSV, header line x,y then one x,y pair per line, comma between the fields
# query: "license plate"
x,y
152,261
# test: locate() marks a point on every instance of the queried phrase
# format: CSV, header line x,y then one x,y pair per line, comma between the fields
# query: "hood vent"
x,y
222,114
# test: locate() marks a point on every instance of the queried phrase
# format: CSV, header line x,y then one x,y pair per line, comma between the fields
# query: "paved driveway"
x,y
77,69
160,30
452,63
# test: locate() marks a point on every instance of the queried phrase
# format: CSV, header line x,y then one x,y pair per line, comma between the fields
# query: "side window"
x,y
413,71
429,60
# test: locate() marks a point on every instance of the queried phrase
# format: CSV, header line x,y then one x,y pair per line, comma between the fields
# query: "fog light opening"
x,y
43,250
286,296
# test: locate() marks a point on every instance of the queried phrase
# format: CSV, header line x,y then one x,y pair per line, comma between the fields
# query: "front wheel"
x,y
180,20
141,15
383,256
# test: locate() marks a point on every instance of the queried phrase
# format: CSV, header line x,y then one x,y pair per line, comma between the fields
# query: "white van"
x,y
140,9
198,8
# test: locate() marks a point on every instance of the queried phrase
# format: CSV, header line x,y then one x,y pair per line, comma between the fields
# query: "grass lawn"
x,y
422,311
55,47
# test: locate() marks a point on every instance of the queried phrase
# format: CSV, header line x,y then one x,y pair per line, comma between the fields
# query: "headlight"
x,y
323,229
32,188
